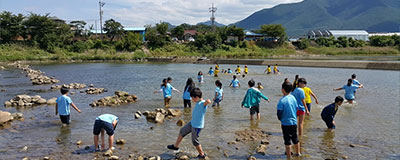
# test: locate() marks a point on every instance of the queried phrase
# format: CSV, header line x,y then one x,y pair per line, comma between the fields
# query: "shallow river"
x,y
373,124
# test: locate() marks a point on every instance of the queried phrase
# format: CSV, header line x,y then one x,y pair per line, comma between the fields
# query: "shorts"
x,y
300,112
64,119
185,130
99,124
216,102
309,107
187,103
329,123
254,110
290,134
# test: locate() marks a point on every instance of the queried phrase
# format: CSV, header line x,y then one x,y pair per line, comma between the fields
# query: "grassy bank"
x,y
361,51
14,52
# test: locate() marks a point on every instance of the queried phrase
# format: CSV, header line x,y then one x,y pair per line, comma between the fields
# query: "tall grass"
x,y
362,51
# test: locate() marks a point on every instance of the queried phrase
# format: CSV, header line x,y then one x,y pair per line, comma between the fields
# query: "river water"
x,y
372,125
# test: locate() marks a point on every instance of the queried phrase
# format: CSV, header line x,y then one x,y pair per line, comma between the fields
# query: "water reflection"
x,y
328,146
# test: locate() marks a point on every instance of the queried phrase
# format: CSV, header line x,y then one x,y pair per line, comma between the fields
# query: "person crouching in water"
x,y
107,123
329,112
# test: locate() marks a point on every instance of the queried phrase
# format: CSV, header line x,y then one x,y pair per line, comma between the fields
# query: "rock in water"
x,y
264,141
25,158
252,158
121,93
159,117
7,104
174,112
120,141
41,101
5,117
184,157
140,158
25,148
261,149
108,153
52,101
78,142
46,158
113,158
180,123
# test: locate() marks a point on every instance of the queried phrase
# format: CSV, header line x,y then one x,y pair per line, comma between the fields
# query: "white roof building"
x,y
355,34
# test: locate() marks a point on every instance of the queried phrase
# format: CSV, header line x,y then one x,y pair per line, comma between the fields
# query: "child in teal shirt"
x,y
252,100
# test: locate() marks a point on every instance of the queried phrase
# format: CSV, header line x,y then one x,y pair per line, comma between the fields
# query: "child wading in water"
x,y
107,123
252,100
329,112
238,70
186,94
166,89
211,71
298,93
308,93
219,94
200,77
246,70
195,125
216,71
259,86
286,112
268,70
235,82
350,89
63,106
276,70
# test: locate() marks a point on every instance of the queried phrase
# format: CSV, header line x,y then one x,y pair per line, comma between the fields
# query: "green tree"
x,y
303,44
132,41
276,31
178,32
47,32
78,26
11,26
162,28
343,42
113,28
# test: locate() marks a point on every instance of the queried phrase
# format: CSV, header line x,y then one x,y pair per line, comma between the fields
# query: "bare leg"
x,y
258,116
178,141
103,146
251,117
300,120
199,149
96,141
297,147
288,152
350,101
110,141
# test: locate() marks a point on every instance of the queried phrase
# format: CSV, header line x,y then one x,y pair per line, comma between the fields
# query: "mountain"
x,y
298,18
208,23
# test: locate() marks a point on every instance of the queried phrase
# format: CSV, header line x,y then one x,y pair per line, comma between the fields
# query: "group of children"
x,y
291,109
214,72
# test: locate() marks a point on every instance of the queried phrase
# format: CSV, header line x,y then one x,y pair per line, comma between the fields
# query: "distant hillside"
x,y
208,23
298,18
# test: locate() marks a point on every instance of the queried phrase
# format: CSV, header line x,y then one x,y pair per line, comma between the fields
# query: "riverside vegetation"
x,y
41,37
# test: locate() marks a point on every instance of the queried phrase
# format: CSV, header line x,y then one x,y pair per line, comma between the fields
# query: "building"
x,y
140,30
251,36
355,34
188,35
384,34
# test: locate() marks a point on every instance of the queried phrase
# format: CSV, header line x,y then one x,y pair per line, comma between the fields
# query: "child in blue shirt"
x,y
300,96
252,100
235,82
62,107
108,123
219,94
350,89
329,112
186,94
200,77
356,82
286,112
195,125
229,71
211,71
166,89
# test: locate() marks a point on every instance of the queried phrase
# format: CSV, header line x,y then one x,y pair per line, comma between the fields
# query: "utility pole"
x,y
212,9
101,4
95,26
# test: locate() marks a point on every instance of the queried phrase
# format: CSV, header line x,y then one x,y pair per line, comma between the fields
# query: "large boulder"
x,y
52,101
5,117
159,117
41,101
261,149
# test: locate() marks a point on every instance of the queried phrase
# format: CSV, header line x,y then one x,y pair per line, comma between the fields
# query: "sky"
x,y
137,13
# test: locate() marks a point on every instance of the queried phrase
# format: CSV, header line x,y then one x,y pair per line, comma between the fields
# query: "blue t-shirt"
x,y
167,90
63,103
229,71
298,93
219,92
186,94
349,91
198,114
288,106
200,78
329,112
107,118
211,71
235,83
356,82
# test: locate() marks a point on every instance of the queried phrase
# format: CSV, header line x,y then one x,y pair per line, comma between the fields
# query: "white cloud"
x,y
142,12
